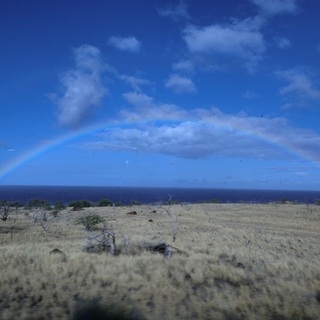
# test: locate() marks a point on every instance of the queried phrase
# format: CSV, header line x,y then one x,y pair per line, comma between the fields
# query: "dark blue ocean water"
x,y
127,195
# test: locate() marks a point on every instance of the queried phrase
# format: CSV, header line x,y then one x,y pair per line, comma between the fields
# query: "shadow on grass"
x,y
93,310
10,229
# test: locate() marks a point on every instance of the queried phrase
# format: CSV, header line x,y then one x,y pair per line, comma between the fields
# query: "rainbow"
x,y
44,147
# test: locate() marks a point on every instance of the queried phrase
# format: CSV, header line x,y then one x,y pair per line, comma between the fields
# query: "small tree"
x,y
59,205
89,221
105,203
38,203
78,205
16,204
4,210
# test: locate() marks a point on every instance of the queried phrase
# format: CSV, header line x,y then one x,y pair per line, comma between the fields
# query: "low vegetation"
x,y
78,205
105,203
38,203
89,221
226,261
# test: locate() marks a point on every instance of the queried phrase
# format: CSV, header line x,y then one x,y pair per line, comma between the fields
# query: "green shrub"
x,y
59,205
105,203
16,204
89,221
38,203
78,205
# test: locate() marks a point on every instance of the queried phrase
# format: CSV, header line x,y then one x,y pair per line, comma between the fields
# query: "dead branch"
x,y
4,210
165,249
175,225
104,241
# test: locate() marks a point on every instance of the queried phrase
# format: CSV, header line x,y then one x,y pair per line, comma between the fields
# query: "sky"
x,y
197,94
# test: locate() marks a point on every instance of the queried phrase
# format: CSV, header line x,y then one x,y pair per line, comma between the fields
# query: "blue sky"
x,y
206,94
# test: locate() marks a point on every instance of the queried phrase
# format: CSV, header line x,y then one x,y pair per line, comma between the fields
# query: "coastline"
x,y
151,195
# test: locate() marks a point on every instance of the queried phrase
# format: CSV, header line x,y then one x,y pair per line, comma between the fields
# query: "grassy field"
x,y
230,261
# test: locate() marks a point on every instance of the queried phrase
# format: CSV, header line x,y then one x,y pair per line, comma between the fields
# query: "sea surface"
x,y
128,195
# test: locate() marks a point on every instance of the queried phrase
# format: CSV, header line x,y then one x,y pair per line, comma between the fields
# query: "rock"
x,y
56,251
132,212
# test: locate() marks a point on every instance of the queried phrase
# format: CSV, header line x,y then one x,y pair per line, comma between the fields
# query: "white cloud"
x,y
300,84
206,133
139,100
135,82
145,109
125,43
184,66
83,87
179,84
273,7
242,39
175,12
282,43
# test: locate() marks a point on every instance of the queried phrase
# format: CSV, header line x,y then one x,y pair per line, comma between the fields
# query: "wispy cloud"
x,y
242,39
184,66
83,88
300,84
135,82
130,44
273,7
282,43
179,84
175,12
147,109
205,133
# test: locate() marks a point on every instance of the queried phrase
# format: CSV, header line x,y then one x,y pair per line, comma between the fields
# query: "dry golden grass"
x,y
236,261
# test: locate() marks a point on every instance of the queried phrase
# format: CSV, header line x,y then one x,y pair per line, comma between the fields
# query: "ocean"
x,y
128,195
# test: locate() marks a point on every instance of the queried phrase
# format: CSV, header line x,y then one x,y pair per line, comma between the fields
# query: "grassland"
x,y
232,261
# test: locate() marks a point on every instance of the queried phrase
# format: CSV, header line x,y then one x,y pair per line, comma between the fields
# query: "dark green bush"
x,y
105,203
38,203
59,205
77,205
16,204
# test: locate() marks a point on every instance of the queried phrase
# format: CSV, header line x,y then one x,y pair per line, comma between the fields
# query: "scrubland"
x,y
230,261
